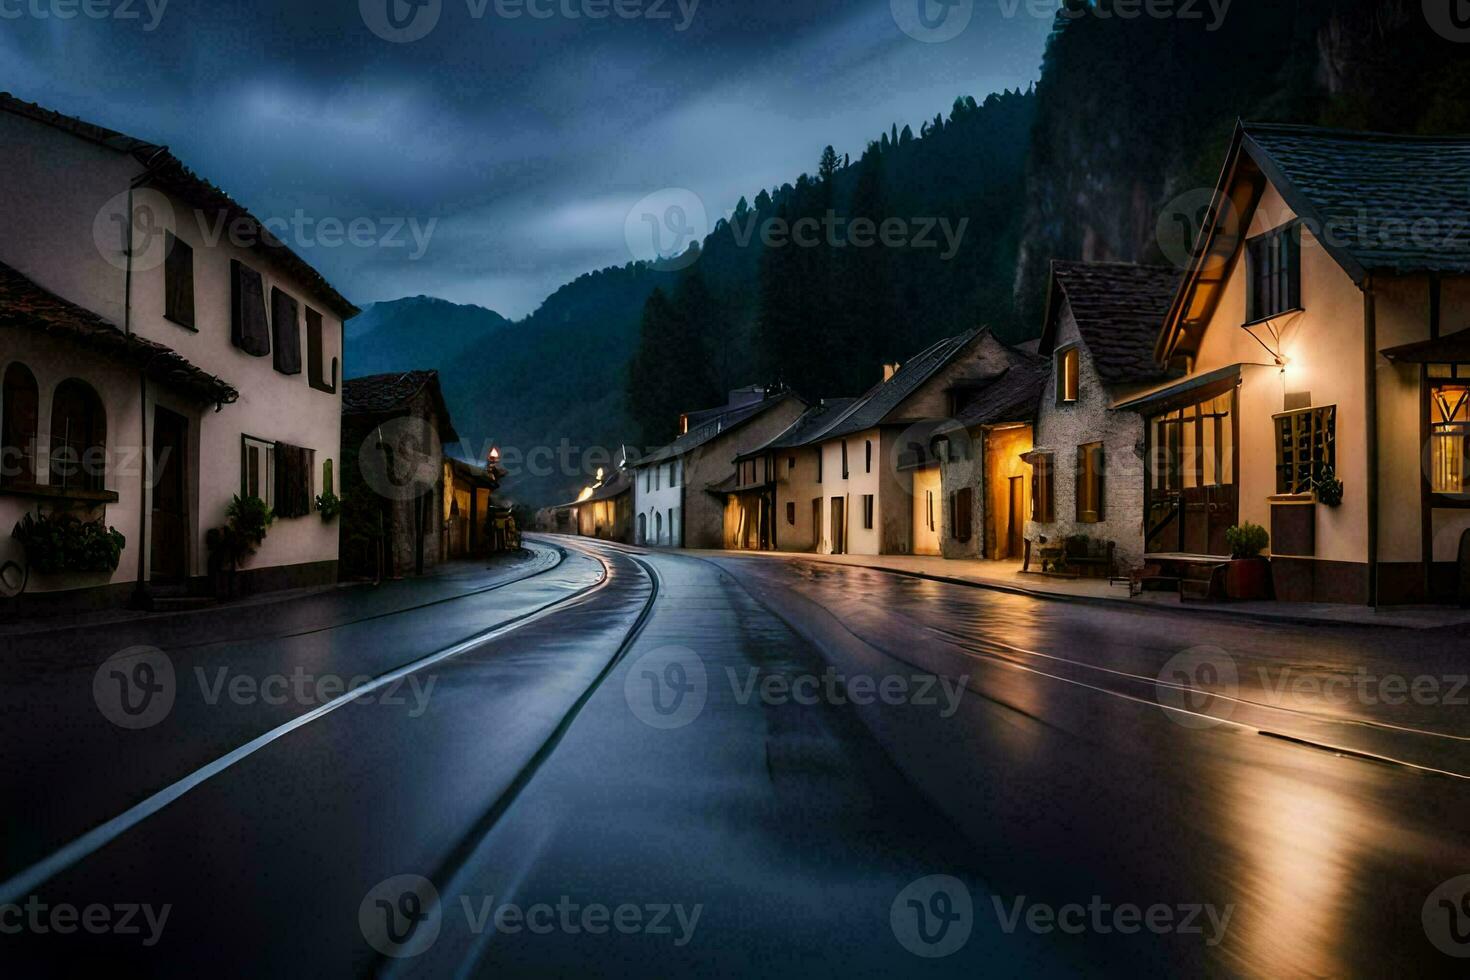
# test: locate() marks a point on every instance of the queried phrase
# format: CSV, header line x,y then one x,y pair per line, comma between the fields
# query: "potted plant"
x,y
62,543
247,519
1248,576
1328,487
328,504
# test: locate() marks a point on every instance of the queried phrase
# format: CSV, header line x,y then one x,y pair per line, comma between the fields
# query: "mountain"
x,y
416,332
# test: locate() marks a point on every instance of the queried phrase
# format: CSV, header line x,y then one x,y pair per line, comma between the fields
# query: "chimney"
x,y
746,396
889,370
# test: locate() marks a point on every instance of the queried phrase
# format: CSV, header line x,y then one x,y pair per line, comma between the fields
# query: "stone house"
x,y
1102,322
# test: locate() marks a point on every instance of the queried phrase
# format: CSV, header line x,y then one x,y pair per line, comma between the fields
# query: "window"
x,y
657,475
868,511
673,525
19,416
249,329
316,355
844,459
257,469
1090,484
1069,366
1306,441
790,463
791,514
963,512
1274,273
178,282
285,328
869,468
1449,425
929,509
820,455
1043,494
294,470
78,438
642,528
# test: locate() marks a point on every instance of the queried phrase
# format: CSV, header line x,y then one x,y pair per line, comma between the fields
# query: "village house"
x,y
603,510
396,480
769,518
1099,333
685,492
1321,331
152,370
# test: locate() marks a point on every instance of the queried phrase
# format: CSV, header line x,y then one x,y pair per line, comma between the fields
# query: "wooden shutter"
x,y
314,365
1291,260
178,282
249,329
1099,476
964,517
1080,477
284,317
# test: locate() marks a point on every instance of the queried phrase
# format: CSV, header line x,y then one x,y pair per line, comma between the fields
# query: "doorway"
x,y
169,551
1016,519
839,526
817,525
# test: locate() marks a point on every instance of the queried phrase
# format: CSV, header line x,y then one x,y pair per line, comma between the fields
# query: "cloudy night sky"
x,y
529,140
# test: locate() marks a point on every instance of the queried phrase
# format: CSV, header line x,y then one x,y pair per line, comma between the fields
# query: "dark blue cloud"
x,y
521,143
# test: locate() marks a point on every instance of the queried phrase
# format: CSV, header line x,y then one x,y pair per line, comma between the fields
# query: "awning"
x,y
1443,350
1185,393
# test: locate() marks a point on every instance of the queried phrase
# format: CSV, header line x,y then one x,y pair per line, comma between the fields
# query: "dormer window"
x,y
1069,369
1274,273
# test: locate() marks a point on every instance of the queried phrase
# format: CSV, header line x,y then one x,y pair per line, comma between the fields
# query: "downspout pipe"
x,y
140,589
1370,402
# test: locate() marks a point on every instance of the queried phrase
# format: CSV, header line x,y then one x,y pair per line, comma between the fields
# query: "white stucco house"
x,y
162,353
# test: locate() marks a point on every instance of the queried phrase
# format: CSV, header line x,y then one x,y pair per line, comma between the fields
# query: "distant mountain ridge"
x,y
416,332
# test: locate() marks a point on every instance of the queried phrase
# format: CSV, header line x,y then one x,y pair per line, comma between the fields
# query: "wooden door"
x,y
839,527
817,525
1016,526
170,524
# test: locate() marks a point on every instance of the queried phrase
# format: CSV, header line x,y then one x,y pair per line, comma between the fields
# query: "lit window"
x,y
1090,485
1306,442
1449,421
1043,494
1069,362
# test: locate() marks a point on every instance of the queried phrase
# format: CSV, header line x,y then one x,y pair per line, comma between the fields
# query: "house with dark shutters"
x,y
1098,336
1321,329
163,353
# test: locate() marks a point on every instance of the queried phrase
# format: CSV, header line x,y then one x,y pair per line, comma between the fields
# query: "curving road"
x,y
597,760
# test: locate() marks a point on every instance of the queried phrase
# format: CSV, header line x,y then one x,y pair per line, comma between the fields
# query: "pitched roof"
x,y
711,429
1012,397
390,394
25,305
877,405
1378,202
168,173
799,433
1119,308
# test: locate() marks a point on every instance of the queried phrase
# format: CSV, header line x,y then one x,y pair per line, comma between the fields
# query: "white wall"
x,y
658,495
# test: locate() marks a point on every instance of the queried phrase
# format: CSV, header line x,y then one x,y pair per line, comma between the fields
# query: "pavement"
x,y
1007,576
633,762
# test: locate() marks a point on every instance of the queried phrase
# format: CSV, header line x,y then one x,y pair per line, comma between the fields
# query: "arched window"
x,y
18,417
642,528
78,438
658,523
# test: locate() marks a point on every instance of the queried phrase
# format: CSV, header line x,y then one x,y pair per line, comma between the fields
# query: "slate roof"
x,y
168,173
25,305
800,432
1120,310
880,401
391,394
716,426
1012,397
1394,204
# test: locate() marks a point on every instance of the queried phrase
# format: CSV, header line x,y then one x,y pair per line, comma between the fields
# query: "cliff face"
x,y
1133,116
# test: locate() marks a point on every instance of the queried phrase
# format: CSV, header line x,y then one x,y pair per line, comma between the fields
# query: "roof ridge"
x,y
1365,135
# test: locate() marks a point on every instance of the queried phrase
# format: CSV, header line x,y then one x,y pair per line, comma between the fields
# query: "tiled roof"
x,y
711,429
1382,203
875,407
1120,309
168,173
387,394
25,305
1012,397
800,432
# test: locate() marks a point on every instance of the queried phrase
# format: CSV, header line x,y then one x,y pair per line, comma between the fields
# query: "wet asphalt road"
x,y
630,764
